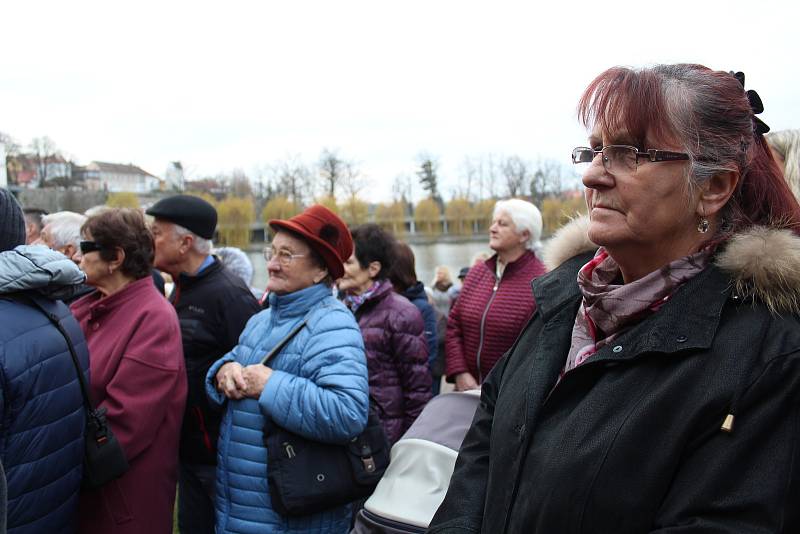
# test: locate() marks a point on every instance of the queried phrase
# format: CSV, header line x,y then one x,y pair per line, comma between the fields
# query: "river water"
x,y
428,257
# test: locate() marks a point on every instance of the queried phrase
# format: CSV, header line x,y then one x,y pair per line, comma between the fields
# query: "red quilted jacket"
x,y
489,314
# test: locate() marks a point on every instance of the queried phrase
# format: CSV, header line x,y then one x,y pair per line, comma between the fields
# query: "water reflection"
x,y
428,257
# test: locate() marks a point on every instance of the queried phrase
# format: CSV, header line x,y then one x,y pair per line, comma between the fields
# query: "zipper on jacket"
x,y
483,325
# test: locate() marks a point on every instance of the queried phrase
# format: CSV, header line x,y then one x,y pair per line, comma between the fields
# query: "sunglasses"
x,y
89,246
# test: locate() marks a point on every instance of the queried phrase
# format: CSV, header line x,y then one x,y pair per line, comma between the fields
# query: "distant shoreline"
x,y
415,239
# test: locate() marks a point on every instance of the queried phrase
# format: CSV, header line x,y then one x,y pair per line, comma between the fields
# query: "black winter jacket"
x,y
632,440
213,308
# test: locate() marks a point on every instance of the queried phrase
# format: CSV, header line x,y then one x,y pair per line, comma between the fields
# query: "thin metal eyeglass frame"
x,y
652,154
269,254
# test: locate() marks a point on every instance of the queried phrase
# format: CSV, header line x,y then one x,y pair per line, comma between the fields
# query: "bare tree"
x,y
516,173
401,188
470,174
44,154
239,184
12,150
11,144
489,173
546,180
352,181
292,178
331,170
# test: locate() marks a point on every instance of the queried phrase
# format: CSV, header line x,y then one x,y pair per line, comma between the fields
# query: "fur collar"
x,y
568,241
763,263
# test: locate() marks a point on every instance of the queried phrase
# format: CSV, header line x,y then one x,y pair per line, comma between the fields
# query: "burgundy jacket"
x,y
137,373
489,314
397,358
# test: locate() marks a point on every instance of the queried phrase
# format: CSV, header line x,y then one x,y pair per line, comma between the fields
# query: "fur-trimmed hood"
x,y
763,263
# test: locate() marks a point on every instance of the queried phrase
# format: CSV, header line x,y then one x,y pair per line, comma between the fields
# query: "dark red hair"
x,y
708,113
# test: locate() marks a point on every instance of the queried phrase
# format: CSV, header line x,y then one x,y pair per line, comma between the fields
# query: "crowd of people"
x,y
640,374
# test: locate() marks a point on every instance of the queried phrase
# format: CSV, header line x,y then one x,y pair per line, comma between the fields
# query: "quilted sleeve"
x,y
329,401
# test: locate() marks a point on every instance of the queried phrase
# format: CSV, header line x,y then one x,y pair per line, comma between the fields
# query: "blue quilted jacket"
x,y
318,389
41,408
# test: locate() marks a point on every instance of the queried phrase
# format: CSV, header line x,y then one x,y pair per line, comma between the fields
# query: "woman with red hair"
x,y
656,387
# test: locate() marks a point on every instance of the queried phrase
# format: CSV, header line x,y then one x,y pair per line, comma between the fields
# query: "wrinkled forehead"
x,y
284,240
161,226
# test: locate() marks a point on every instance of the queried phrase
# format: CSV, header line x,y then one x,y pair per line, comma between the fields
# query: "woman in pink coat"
x,y
136,372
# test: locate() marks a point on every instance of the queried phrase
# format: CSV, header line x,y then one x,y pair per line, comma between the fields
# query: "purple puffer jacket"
x,y
397,358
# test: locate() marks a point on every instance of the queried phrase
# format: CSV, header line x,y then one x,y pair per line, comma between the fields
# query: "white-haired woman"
x,y
785,148
495,301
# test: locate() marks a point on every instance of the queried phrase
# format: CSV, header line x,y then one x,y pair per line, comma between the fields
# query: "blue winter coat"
x,y
41,430
318,389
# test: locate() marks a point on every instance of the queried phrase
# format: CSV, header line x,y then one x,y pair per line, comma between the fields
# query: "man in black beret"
x,y
213,306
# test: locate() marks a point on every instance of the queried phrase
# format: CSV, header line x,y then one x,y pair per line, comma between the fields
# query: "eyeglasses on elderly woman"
x,y
284,257
622,158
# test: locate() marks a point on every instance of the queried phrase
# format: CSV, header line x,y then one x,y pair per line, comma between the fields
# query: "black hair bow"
x,y
756,105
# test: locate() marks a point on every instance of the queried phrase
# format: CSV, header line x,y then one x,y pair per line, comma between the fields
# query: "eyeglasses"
x,y
622,158
284,257
89,246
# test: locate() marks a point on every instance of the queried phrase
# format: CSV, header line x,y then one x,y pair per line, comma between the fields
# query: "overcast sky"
x,y
235,84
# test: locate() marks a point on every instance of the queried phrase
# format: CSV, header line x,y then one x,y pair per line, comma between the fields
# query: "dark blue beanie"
x,y
12,222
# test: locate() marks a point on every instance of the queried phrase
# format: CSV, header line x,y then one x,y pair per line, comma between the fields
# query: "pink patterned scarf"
x,y
609,307
354,302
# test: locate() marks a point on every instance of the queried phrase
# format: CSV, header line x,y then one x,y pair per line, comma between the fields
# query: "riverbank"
x,y
414,240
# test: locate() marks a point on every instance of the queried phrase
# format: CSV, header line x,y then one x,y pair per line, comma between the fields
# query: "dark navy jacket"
x,y
41,408
419,298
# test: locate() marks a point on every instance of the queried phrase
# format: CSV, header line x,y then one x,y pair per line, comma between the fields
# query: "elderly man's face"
x,y
167,243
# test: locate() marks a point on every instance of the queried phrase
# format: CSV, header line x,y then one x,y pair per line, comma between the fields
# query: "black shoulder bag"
x,y
104,459
306,476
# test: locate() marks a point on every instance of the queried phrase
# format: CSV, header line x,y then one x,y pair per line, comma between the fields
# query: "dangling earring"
x,y
110,270
703,225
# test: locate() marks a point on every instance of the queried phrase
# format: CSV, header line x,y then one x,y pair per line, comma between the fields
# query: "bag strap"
x,y
57,323
279,347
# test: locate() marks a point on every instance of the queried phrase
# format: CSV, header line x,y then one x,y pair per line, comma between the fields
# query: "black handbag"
x,y
306,476
103,460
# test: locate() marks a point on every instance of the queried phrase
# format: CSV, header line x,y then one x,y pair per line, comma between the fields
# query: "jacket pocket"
x,y
116,503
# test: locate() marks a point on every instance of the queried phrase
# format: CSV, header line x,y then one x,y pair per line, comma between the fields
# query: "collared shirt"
x,y
206,262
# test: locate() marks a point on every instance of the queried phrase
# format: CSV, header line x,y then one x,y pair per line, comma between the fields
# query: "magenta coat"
x,y
137,373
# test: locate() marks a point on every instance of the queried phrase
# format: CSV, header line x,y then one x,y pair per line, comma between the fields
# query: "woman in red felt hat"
x,y
316,386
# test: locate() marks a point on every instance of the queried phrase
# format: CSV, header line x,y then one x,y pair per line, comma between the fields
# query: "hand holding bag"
x,y
104,459
306,476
